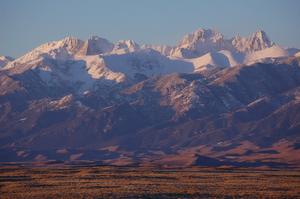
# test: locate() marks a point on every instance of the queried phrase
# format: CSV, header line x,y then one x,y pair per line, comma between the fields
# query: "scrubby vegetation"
x,y
145,182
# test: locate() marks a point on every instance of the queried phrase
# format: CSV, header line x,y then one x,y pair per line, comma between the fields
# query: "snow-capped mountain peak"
x,y
199,43
256,41
5,60
97,45
200,35
260,40
70,43
163,49
125,46
60,50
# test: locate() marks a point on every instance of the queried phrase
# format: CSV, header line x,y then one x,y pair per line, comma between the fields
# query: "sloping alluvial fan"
x,y
125,104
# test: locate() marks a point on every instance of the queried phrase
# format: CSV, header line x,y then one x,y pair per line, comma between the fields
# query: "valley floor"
x,y
86,181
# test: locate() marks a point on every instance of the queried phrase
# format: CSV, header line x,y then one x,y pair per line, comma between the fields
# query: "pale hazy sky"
x,y
29,23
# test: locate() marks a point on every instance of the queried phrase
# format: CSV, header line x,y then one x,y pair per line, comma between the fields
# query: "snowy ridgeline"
x,y
74,60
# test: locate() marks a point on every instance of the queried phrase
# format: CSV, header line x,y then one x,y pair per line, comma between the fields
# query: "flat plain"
x,y
92,181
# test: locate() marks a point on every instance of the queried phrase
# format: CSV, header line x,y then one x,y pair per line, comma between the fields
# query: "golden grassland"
x,y
21,181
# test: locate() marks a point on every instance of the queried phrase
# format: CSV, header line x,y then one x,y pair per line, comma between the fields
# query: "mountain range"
x,y
208,101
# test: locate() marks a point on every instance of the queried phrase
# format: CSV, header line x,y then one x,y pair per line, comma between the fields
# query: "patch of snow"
x,y
62,103
147,62
97,69
272,52
221,59
23,119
